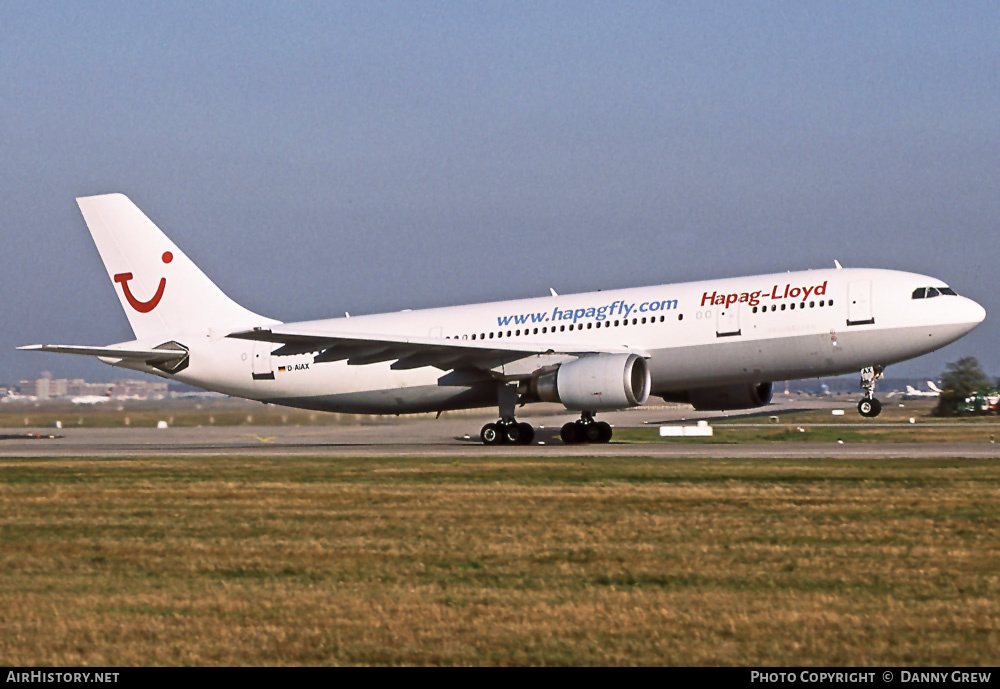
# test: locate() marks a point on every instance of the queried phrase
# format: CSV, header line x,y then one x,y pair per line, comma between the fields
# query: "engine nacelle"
x,y
597,383
725,397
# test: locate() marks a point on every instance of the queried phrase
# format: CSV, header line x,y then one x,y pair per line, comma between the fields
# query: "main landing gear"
x,y
507,430
870,407
586,430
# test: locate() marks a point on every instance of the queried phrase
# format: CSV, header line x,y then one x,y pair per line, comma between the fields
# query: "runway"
x,y
451,436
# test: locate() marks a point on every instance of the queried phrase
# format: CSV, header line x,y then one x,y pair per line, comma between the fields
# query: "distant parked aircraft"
x,y
913,393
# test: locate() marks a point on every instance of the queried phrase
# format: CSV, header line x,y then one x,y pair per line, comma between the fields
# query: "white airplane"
x,y
913,393
90,399
716,344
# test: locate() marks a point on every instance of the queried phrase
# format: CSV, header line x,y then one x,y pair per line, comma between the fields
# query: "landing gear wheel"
x,y
527,433
869,408
603,432
511,433
490,434
570,433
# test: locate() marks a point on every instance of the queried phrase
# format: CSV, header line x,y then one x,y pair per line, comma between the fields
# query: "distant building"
x,y
46,387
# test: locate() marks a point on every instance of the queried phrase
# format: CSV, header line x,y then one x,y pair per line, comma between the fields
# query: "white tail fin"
x,y
162,291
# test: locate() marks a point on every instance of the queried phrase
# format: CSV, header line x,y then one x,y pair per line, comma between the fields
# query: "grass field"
x,y
277,561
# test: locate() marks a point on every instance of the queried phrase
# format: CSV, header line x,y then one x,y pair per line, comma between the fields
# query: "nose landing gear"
x,y
869,407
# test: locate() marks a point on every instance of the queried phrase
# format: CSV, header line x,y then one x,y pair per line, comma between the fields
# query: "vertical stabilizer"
x,y
162,291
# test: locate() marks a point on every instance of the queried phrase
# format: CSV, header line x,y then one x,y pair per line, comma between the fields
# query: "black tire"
x,y
570,434
511,433
490,434
527,433
592,432
604,432
869,408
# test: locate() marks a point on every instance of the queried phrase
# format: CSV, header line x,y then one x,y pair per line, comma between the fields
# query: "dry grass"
x,y
239,561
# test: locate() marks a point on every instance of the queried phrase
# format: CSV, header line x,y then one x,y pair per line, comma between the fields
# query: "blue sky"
x,y
316,158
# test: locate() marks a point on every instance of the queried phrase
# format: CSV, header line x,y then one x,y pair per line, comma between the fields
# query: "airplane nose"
x,y
977,314
969,313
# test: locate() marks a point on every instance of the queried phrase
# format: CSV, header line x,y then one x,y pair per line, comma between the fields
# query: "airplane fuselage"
x,y
723,332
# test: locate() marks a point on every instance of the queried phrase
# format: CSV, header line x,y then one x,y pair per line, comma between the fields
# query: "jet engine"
x,y
596,383
724,397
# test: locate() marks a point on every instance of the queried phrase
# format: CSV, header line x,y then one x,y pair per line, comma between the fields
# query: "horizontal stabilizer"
x,y
150,356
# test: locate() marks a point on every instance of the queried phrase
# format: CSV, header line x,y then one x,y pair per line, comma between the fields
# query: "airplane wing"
x,y
410,352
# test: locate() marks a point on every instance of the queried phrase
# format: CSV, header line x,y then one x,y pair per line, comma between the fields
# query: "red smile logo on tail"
x,y
144,306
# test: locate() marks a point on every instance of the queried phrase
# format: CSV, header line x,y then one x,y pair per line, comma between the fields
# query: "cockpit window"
x,y
929,292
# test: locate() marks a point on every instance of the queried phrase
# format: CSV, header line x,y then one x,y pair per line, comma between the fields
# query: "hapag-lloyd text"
x,y
777,292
